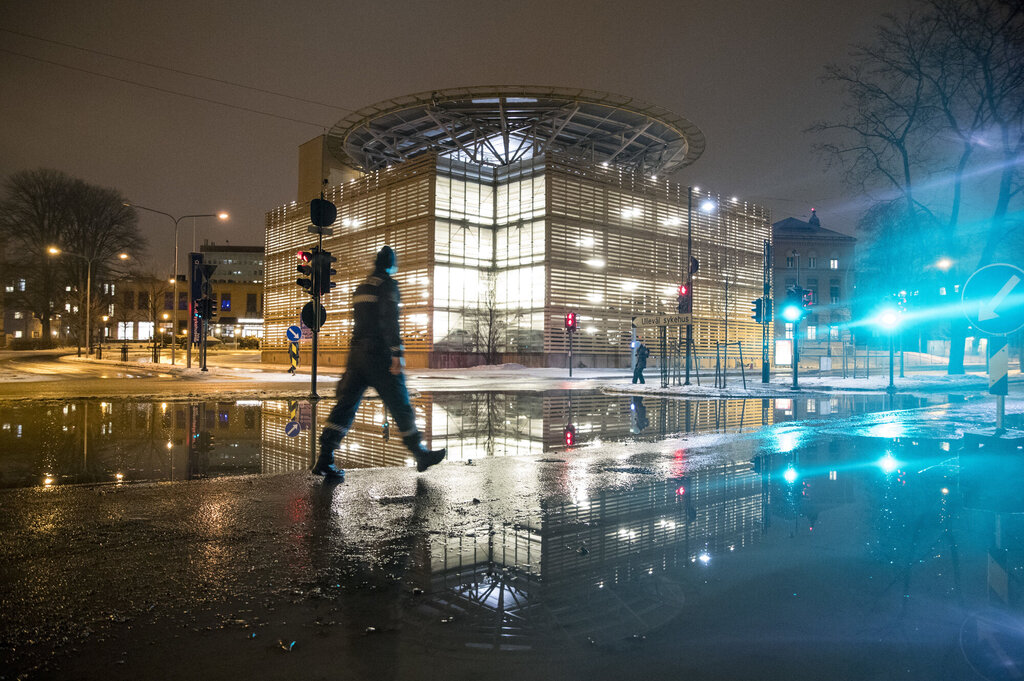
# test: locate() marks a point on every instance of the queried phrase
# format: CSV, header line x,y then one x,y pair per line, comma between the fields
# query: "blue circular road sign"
x,y
293,333
993,299
292,428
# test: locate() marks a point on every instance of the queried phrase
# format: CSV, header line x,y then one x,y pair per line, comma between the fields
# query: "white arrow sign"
x,y
987,309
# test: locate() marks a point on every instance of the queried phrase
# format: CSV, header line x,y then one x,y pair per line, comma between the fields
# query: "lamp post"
x,y
174,270
53,250
890,319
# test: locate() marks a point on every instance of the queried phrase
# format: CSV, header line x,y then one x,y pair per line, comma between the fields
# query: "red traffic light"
x,y
304,256
570,435
571,321
683,289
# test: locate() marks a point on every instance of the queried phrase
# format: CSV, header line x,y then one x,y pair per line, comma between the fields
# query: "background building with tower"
x,y
510,207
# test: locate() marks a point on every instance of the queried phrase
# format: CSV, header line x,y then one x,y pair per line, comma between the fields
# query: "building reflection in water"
x,y
487,424
600,569
94,441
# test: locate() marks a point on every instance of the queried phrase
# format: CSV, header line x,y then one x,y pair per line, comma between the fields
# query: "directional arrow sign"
x,y
993,299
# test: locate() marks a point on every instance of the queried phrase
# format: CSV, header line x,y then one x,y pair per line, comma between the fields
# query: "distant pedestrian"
x,y
374,359
642,353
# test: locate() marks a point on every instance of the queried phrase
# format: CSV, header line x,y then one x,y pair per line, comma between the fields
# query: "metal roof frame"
x,y
499,125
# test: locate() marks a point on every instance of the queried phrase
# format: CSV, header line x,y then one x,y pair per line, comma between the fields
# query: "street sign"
x,y
291,429
293,333
293,356
993,299
662,320
305,415
322,212
311,319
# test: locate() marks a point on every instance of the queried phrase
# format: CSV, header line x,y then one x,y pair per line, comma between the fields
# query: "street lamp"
x,y
174,271
53,250
889,319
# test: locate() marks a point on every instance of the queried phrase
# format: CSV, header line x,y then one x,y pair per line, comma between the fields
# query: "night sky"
x,y
746,73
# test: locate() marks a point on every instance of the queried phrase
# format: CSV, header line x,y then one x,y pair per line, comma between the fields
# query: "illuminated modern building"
x,y
509,207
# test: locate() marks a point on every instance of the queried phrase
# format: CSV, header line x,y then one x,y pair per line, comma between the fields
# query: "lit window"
x,y
21,284
19,315
942,290
789,330
833,264
812,332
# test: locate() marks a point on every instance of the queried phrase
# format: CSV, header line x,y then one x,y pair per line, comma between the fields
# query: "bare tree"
x,y
946,71
33,218
487,326
46,208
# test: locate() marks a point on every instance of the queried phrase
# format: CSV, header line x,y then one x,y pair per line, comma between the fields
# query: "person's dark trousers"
x,y
369,368
638,373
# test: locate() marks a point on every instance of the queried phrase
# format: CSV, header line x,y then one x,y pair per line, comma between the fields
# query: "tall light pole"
x,y
890,319
53,250
174,270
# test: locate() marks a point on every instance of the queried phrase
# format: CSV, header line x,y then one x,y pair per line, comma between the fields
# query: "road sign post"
x,y
993,302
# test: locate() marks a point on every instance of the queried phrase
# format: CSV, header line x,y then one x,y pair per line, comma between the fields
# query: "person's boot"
x,y
325,465
425,458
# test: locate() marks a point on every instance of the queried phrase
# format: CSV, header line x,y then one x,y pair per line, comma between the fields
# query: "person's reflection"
x,y
370,574
637,415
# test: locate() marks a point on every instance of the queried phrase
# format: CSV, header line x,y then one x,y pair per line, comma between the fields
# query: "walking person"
x,y
374,359
641,361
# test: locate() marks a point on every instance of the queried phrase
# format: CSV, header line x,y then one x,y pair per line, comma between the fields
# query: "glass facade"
x,y
491,259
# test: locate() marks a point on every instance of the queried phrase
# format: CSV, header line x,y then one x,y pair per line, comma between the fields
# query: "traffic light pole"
x,y
316,315
766,313
571,334
796,353
689,277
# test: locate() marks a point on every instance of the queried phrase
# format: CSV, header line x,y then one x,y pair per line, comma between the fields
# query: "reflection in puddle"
x,y
87,441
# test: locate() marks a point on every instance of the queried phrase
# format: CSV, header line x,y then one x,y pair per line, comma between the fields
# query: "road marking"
x,y
988,311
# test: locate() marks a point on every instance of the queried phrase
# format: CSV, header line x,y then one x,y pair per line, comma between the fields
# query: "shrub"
x,y
249,343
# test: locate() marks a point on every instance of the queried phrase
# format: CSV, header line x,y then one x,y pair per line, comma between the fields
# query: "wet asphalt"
x,y
609,563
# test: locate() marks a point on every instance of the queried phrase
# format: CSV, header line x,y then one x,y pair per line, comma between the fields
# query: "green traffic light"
x,y
792,312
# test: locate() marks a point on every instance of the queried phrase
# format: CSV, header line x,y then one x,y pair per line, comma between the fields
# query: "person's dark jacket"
x,y
642,353
375,311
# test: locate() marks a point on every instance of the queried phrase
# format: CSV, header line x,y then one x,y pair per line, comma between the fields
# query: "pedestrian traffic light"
x,y
806,297
757,307
322,261
684,306
570,435
571,321
305,268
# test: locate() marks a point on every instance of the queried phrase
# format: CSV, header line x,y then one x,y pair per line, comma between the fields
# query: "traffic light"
x,y
305,268
793,307
757,307
322,261
807,298
206,310
569,435
571,321
766,310
684,305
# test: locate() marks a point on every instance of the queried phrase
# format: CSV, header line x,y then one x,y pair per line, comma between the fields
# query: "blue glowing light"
x,y
888,463
790,475
791,313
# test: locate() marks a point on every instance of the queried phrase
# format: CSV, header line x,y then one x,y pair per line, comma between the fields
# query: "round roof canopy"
x,y
499,125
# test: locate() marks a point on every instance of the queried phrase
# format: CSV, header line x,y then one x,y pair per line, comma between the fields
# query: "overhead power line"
x,y
165,90
174,70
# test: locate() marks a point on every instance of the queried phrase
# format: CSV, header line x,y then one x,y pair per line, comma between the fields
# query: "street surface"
x,y
822,534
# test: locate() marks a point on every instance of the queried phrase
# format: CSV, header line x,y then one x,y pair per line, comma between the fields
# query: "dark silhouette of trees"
x,y
46,208
933,133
